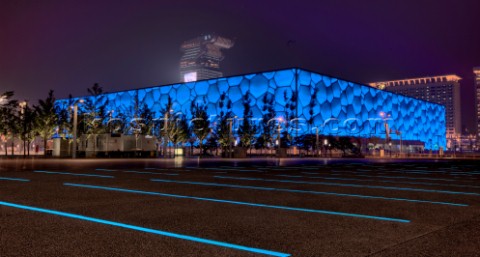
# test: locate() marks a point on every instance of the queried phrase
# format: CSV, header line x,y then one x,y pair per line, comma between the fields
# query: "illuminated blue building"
x,y
334,106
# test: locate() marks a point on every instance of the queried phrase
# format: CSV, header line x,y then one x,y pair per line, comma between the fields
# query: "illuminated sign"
x,y
189,77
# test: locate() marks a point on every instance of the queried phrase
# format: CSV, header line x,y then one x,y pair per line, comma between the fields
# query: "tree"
x,y
222,130
211,144
178,131
8,118
343,144
290,114
46,118
248,128
267,124
306,142
26,116
200,123
64,122
94,113
166,124
146,118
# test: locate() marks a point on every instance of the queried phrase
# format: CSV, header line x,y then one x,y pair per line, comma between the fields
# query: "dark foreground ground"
x,y
290,208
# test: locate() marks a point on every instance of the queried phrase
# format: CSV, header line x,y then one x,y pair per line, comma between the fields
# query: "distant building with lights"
x,y
202,56
316,102
444,90
476,71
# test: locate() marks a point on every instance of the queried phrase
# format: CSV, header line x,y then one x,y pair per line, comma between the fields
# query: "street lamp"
x,y
230,135
385,116
165,127
325,143
390,147
75,120
23,105
280,120
109,130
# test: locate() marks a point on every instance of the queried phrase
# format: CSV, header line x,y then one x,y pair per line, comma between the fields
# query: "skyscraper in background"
x,y
476,71
444,90
202,56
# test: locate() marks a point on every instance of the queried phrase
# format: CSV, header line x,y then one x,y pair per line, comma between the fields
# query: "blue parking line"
x,y
73,174
410,178
354,185
15,179
106,170
147,230
305,192
241,203
147,172
380,181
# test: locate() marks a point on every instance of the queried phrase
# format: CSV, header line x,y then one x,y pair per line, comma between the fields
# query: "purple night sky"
x,y
68,45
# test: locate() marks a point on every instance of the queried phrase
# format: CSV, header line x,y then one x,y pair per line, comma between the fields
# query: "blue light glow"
x,y
411,178
334,98
147,230
306,192
380,181
154,173
354,185
73,174
240,203
15,179
106,170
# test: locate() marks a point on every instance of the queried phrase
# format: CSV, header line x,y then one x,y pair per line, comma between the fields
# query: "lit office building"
x,y
316,102
476,71
444,90
202,56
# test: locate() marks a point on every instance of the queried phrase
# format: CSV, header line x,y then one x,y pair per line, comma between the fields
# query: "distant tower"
x,y
476,71
201,57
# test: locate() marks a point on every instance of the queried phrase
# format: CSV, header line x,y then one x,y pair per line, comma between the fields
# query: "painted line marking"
x,y
411,178
106,170
147,230
15,179
305,191
73,174
346,214
354,185
380,181
147,172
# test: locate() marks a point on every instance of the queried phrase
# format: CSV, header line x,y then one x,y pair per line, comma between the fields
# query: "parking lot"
x,y
266,207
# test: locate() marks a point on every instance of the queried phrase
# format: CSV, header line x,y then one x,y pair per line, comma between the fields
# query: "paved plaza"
x,y
250,207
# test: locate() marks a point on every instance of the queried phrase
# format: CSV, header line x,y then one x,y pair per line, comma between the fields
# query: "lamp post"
x,y
75,120
325,143
316,141
109,131
385,116
390,148
230,136
23,105
278,132
165,127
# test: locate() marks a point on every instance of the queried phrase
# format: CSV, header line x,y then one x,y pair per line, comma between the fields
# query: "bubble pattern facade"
x,y
334,106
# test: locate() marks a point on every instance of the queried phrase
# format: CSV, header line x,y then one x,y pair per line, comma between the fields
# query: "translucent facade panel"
x,y
334,106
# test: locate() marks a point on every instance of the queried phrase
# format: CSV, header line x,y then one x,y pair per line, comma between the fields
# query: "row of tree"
x,y
20,120
44,119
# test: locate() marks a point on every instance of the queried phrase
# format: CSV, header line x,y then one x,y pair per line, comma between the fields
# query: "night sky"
x,y
69,45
